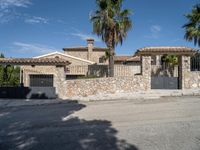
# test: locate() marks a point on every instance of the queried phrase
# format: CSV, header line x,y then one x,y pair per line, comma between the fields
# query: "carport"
x,y
39,78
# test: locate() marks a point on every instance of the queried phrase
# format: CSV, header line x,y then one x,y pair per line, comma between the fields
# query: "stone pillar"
x,y
146,70
184,70
59,80
158,59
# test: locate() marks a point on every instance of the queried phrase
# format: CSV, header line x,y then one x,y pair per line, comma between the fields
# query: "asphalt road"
x,y
162,124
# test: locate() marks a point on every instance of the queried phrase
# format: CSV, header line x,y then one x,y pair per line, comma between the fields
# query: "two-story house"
x,y
88,60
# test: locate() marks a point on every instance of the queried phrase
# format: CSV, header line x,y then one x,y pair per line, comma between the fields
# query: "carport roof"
x,y
33,61
166,50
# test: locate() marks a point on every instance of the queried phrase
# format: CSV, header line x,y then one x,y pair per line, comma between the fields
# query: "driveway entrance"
x,y
162,82
165,76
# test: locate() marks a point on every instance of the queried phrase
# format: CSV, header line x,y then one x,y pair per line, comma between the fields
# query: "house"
x,y
90,52
88,61
49,72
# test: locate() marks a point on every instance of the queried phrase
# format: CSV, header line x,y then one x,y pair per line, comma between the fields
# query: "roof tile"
x,y
34,61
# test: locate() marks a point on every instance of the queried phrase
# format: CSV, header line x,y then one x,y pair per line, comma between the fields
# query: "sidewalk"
x,y
151,94
32,102
148,95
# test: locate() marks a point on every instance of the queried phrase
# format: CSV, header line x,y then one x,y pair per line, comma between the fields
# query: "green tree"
x,y
111,23
1,71
2,55
170,61
106,56
9,75
192,28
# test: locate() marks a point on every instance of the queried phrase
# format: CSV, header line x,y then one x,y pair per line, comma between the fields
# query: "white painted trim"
x,y
66,55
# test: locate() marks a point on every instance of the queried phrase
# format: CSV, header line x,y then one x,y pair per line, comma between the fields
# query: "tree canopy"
x,y
111,22
9,75
192,28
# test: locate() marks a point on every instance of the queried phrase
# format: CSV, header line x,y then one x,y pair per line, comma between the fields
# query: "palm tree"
x,y
192,28
112,24
170,61
2,55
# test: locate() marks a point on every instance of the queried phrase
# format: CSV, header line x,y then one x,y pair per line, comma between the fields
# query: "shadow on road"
x,y
42,128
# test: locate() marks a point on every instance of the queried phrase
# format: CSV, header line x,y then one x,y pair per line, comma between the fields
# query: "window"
x,y
195,62
101,60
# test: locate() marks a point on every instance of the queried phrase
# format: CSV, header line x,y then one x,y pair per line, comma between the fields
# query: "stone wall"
x,y
87,87
190,79
78,53
95,55
84,88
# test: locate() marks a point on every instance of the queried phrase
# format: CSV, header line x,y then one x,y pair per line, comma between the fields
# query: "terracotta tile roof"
x,y
166,50
33,61
126,58
134,59
82,48
121,58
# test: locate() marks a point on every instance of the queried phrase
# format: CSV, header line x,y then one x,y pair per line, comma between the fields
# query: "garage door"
x,y
41,80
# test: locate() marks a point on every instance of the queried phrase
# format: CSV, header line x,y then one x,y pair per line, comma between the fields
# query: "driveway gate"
x,y
162,82
164,78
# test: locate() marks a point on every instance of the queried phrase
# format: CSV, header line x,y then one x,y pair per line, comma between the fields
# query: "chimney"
x,y
90,43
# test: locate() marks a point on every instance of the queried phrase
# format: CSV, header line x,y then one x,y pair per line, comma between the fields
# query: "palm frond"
x,y
192,28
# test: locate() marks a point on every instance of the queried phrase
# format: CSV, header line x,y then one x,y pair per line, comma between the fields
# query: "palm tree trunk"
x,y
111,46
111,62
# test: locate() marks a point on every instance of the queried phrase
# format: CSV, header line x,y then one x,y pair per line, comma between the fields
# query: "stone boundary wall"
x,y
88,87
112,85
190,79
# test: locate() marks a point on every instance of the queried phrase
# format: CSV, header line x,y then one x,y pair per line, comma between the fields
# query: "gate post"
x,y
184,69
59,80
146,69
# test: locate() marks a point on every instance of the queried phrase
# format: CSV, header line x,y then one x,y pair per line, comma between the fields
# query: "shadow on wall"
x,y
43,128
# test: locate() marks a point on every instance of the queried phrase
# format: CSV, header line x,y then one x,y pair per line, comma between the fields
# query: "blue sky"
x,y
33,27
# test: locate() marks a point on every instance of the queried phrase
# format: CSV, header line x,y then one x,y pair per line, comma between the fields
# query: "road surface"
x,y
163,124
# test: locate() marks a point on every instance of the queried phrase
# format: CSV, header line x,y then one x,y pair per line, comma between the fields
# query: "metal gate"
x,y
164,82
163,77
